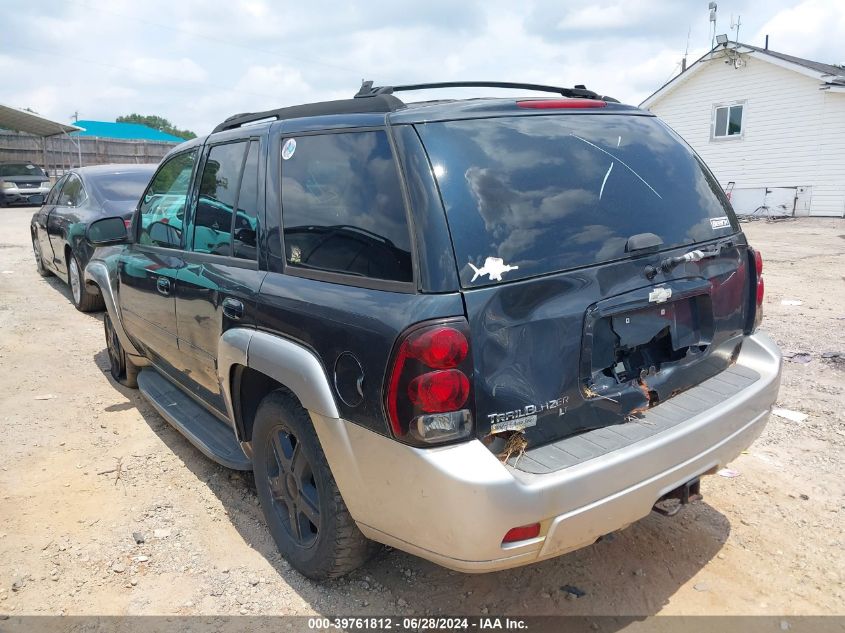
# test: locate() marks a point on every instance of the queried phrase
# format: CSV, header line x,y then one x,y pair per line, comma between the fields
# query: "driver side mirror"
x,y
107,231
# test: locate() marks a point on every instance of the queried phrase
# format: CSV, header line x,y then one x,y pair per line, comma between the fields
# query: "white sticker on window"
x,y
720,222
494,267
288,148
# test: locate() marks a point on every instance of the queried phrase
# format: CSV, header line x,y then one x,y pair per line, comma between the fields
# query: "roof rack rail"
x,y
384,103
368,90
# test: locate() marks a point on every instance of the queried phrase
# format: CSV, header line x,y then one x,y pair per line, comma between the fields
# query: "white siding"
x,y
829,194
793,133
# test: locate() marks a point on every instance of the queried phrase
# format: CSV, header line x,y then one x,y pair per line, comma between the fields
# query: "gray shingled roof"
x,y
827,69
835,75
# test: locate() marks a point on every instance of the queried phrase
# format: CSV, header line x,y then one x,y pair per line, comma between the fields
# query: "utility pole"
x,y
75,117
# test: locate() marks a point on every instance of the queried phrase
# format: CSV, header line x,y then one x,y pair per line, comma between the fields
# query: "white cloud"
x,y
814,29
152,70
196,62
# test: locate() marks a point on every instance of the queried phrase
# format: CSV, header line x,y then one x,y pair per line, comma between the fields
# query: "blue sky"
x,y
196,62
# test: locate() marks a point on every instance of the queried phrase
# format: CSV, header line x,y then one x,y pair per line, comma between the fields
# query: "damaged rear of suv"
x,y
485,331
609,357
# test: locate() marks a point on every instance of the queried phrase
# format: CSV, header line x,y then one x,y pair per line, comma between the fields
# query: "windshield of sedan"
x,y
120,186
21,169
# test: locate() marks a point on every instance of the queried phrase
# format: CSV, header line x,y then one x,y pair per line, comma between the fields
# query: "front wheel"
x,y
83,299
121,368
299,497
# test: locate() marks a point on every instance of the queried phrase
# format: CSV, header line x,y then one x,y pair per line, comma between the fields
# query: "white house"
x,y
771,124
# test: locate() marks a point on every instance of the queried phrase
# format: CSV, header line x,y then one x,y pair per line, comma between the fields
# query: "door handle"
x,y
233,308
163,285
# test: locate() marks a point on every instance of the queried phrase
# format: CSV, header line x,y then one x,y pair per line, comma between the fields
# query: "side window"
x,y
162,211
245,228
342,207
217,197
53,196
73,193
727,121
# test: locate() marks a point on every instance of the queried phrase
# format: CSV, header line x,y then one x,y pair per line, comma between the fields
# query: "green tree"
x,y
157,123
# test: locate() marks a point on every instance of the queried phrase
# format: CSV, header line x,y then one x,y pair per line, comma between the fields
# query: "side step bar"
x,y
202,429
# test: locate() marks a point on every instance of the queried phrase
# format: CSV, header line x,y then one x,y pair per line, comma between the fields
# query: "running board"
x,y
202,429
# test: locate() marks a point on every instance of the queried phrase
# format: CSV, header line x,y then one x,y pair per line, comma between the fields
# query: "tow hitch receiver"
x,y
671,503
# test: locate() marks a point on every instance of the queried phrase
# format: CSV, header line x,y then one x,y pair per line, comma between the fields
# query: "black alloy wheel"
x,y
305,513
296,499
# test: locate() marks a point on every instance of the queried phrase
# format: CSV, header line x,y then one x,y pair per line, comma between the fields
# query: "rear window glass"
x,y
342,206
121,186
531,195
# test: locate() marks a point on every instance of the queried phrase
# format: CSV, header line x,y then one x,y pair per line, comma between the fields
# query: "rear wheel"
x,y
84,300
121,368
299,497
40,268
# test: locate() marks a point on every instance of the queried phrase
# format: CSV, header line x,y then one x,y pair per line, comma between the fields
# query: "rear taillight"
x,y
127,223
428,389
760,289
554,104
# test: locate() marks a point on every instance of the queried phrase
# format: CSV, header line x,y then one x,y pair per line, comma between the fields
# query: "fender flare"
x,y
287,362
99,274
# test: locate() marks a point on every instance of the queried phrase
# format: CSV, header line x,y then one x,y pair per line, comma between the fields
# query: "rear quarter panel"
x,y
331,319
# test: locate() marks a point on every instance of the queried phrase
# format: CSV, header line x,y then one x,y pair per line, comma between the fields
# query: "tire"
x,y
299,497
40,268
121,368
82,299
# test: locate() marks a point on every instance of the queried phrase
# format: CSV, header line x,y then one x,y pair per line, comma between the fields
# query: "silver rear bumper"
x,y
453,505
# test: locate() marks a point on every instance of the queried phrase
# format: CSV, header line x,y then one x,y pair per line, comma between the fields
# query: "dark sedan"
x,y
77,199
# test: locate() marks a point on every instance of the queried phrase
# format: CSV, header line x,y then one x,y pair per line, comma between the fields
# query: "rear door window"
x,y
532,195
73,193
217,197
53,196
245,227
342,206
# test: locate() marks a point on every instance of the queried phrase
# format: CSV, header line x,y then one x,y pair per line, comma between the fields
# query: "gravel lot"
x,y
105,509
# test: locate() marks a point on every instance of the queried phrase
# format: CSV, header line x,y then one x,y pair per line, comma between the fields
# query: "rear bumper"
x,y
453,505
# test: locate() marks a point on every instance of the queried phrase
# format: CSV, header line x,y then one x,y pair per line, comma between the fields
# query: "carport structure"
x,y
31,123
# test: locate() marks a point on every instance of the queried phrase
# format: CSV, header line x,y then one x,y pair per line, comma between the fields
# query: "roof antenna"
x,y
686,50
736,26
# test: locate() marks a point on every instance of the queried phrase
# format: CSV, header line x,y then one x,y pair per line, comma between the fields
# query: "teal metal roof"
x,y
133,131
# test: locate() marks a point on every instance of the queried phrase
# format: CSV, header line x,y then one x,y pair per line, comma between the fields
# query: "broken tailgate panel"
x,y
575,351
603,269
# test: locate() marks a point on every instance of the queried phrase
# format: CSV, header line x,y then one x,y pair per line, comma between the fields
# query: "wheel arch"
x,y
251,364
98,274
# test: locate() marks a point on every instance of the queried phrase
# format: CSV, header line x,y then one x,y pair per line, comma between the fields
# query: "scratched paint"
x,y
604,182
624,164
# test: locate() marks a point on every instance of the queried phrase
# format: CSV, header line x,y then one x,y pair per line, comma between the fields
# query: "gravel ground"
x,y
105,509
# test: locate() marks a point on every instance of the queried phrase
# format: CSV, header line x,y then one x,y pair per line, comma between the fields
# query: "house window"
x,y
727,121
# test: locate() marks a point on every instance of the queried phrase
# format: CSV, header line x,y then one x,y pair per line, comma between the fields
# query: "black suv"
x,y
484,331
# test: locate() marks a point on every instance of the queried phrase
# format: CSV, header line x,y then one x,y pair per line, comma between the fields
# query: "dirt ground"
x,y
86,464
